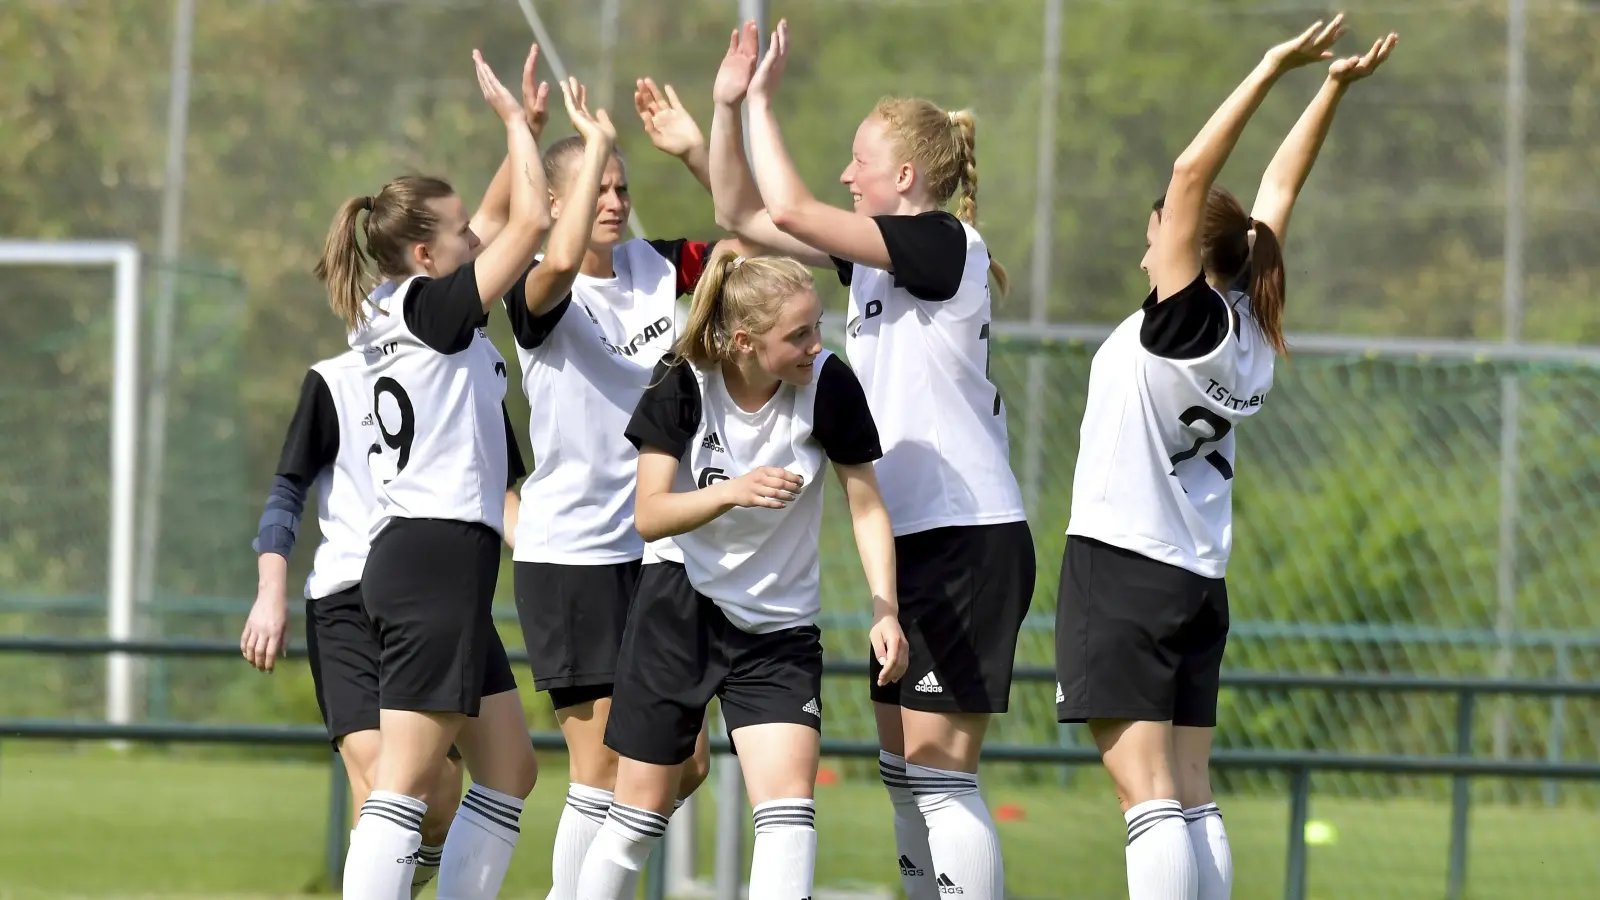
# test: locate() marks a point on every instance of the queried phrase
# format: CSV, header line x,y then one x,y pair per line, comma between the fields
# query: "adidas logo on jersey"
x,y
929,685
909,868
367,420
948,886
812,707
712,443
500,369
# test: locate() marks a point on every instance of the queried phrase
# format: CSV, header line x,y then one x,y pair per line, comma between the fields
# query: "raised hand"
x,y
733,77
1355,68
534,106
593,127
669,125
505,105
769,487
1308,47
765,82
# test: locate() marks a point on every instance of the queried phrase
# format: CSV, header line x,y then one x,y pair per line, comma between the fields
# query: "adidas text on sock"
x,y
910,831
383,847
1161,862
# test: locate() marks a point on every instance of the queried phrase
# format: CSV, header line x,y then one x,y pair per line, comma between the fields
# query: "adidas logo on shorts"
x,y
812,707
929,685
1060,697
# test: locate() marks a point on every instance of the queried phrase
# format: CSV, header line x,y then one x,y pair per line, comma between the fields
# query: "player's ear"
x,y
422,256
742,342
905,177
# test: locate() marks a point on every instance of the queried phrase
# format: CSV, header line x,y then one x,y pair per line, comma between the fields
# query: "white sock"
x,y
580,821
427,867
383,847
1212,856
962,842
611,870
478,849
785,855
1161,863
910,831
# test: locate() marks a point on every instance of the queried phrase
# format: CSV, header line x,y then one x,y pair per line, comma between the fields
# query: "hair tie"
x,y
737,262
366,203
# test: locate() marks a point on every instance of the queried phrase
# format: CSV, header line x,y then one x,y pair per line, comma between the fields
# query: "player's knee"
x,y
521,775
1193,783
595,767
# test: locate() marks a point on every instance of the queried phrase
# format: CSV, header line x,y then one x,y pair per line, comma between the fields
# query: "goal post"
x,y
124,261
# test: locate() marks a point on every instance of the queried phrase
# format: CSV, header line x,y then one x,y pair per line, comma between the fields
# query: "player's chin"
x,y
800,373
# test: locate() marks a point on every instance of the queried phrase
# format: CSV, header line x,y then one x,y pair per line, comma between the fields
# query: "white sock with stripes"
x,y
961,837
910,831
427,867
1212,856
1161,863
581,819
383,847
785,855
478,849
611,870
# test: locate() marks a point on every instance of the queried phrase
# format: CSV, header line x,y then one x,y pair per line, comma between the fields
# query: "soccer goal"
x,y
64,395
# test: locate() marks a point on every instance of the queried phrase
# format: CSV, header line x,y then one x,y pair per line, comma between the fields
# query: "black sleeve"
x,y
531,331
688,259
668,414
312,442
444,312
516,469
927,252
846,268
842,422
1188,325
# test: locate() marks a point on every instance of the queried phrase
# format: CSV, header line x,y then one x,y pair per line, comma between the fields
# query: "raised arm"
x,y
495,208
733,189
1291,165
551,280
1175,257
672,129
793,209
504,261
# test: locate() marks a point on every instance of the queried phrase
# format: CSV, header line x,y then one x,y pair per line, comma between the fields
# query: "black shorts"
x,y
343,653
429,590
680,650
964,592
1136,638
572,622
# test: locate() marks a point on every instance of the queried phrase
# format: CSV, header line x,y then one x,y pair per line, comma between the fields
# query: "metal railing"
x,y
1461,767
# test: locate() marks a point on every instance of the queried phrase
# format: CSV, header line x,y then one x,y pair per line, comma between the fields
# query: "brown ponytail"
x,y
736,293
943,147
397,218
1267,282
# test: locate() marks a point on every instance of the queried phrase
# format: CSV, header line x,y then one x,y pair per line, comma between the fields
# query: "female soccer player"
x,y
328,445
1142,617
733,434
429,582
918,333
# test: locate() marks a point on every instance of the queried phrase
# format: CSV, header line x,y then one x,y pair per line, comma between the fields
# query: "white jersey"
x,y
437,384
919,340
1156,456
760,566
345,498
581,392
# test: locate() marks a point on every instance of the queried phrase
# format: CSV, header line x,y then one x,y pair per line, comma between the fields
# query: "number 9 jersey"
x,y
1156,450
436,383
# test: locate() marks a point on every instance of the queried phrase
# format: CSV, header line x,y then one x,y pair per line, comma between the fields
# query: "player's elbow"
x,y
785,216
647,519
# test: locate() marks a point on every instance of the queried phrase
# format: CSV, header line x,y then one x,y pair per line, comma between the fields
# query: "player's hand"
x,y
595,128
535,107
765,82
500,99
263,639
768,487
889,648
733,78
1355,68
669,125
1307,47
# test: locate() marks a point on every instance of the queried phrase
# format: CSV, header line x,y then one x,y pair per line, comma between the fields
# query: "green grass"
x,y
85,821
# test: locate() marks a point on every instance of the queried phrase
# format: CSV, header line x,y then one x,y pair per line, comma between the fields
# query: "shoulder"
x,y
1191,324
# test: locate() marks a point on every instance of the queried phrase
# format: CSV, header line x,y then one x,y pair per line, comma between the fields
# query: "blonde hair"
x,y
943,147
737,293
397,217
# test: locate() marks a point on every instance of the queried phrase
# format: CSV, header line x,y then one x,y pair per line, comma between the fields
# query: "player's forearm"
x,y
733,189
668,513
698,161
1290,167
783,193
272,576
1197,167
874,537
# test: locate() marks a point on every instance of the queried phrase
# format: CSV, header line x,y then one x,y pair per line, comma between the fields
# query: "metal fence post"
x,y
338,820
1558,721
1299,812
1460,799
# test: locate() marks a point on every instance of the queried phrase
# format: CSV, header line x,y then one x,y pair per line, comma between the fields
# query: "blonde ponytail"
x,y
736,293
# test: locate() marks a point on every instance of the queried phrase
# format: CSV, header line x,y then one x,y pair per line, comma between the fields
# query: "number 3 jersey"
x,y
1156,455
436,383
759,565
